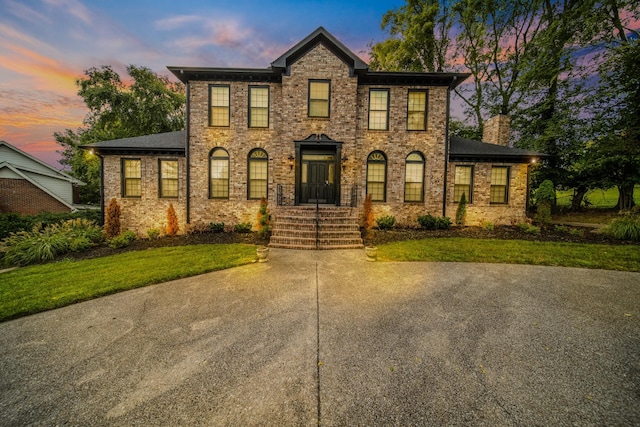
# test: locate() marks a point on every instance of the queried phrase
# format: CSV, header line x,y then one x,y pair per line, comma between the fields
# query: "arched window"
x,y
257,180
377,176
219,174
414,178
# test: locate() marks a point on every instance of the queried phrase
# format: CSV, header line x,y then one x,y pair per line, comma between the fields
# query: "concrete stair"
x,y
295,228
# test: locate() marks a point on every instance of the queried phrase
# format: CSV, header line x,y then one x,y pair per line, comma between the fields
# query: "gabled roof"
x,y
463,149
320,35
39,167
171,143
20,174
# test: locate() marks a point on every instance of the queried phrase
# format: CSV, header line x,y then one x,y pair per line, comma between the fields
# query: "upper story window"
x,y
219,105
414,177
258,106
258,170
319,96
463,183
417,110
168,178
379,109
377,176
219,174
131,178
499,184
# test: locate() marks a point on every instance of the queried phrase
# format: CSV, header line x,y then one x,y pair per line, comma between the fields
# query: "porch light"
x,y
534,161
291,159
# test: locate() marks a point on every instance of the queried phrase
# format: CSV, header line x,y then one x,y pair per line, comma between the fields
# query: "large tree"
x,y
149,104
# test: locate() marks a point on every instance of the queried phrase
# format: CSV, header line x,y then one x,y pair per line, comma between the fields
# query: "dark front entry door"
x,y
318,182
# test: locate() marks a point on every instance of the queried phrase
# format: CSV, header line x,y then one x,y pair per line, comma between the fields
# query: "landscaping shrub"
x,y
430,222
528,228
122,240
386,222
264,222
216,227
367,216
172,221
43,243
153,233
545,197
625,227
13,223
112,219
461,210
488,225
243,227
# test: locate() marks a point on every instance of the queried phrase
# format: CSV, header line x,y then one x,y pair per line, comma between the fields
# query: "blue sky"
x,y
46,44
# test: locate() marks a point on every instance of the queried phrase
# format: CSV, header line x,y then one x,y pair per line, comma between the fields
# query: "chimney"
x,y
497,130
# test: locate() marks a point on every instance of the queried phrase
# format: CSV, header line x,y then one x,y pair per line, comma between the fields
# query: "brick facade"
x,y
21,196
346,128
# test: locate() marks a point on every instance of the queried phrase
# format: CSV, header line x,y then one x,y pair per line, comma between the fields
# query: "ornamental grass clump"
x,y
625,227
44,243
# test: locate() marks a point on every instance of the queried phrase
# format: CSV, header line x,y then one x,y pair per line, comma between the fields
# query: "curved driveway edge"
x,y
327,338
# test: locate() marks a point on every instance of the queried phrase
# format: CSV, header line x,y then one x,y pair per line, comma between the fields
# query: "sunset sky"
x,y
46,44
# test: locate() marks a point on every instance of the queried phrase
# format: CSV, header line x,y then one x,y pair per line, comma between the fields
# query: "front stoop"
x,y
295,228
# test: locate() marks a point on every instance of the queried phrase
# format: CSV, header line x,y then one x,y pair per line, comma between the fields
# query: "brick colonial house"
x,y
29,186
315,128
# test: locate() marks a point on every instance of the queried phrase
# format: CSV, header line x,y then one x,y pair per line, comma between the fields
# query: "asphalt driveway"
x,y
327,338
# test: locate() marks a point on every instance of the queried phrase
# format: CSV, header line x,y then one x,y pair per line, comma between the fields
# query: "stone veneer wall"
x,y
140,214
480,210
21,196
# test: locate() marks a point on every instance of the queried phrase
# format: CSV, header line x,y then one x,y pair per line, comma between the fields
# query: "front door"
x,y
318,179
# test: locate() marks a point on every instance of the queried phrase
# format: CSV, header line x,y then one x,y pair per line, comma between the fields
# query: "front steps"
x,y
295,228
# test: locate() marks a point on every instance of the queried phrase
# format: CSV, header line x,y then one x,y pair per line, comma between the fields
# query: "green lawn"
x,y
598,198
609,257
43,287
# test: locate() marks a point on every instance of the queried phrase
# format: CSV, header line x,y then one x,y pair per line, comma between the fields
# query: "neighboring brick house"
x,y
316,127
29,186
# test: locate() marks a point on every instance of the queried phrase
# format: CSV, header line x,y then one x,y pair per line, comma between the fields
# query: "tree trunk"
x,y
625,198
578,196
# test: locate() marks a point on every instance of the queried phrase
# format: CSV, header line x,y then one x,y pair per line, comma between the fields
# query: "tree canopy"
x,y
149,104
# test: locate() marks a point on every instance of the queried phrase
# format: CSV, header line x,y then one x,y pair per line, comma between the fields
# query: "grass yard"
x,y
598,198
38,288
608,257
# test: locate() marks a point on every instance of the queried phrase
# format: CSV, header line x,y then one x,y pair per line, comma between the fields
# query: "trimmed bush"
x,y
430,222
386,222
545,197
112,219
122,240
264,223
461,210
153,233
216,227
172,221
243,227
528,228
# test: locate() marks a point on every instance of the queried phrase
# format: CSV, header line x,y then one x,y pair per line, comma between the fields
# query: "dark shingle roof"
x,y
160,143
462,149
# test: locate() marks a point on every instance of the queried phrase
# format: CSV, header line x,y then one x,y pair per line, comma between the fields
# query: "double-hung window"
x,y
377,176
499,184
414,177
219,174
258,106
258,169
131,178
379,109
319,98
219,105
463,183
417,110
168,178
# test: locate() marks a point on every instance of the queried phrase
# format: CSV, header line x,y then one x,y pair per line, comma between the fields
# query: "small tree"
x,y
545,197
172,221
264,223
112,219
461,211
367,216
